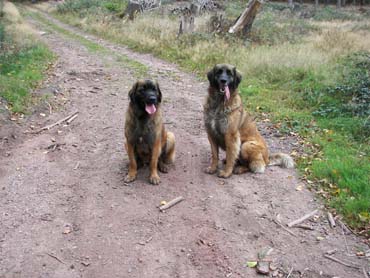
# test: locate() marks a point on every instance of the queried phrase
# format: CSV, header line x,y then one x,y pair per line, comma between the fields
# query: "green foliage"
x,y
83,7
79,6
20,71
2,35
329,13
273,27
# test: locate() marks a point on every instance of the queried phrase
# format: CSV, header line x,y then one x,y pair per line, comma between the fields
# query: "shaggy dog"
x,y
230,128
147,141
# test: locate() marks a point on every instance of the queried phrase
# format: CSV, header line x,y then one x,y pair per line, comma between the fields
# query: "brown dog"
x,y
146,138
230,128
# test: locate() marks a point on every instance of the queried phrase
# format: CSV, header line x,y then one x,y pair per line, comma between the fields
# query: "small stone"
x,y
263,268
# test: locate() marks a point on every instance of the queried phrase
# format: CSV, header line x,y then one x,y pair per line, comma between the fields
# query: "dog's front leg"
x,y
132,170
214,161
232,141
157,148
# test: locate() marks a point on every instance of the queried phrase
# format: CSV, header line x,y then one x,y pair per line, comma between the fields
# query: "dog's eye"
x,y
219,71
228,72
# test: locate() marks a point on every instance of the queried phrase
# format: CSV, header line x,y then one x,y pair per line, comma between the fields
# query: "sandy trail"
x,y
65,211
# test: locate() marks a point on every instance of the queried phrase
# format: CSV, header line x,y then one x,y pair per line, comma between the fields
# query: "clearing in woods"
x,y
66,211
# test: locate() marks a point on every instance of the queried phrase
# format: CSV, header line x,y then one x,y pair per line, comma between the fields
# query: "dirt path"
x,y
65,211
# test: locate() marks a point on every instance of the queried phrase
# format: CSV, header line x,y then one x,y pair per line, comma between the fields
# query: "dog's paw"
x,y
210,170
238,170
154,179
163,167
129,178
223,174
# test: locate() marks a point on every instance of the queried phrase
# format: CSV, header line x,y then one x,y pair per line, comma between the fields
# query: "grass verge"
x,y
308,82
23,60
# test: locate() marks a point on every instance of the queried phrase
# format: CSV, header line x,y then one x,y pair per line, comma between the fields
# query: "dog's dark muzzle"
x,y
151,99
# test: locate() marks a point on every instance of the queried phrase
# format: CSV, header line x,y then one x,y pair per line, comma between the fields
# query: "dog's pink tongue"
x,y
227,93
150,109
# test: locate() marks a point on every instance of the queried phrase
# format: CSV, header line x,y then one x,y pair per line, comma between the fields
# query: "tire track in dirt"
x,y
72,204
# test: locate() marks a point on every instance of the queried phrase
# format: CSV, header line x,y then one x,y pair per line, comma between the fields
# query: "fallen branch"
x,y
331,220
284,228
55,257
303,218
171,203
56,123
341,262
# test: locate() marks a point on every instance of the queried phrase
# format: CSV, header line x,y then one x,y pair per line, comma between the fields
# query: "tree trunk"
x,y
338,4
316,4
290,3
132,9
245,21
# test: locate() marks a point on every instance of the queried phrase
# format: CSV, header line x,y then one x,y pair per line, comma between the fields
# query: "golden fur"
x,y
230,128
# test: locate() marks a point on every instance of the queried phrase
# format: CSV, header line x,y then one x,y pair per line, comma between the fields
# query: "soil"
x,y
66,212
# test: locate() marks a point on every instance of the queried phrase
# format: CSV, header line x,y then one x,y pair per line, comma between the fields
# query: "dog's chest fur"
x,y
142,136
216,122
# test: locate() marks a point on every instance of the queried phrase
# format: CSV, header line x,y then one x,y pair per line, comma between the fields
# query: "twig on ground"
x,y
284,228
56,123
331,252
345,240
77,165
331,220
341,262
50,108
365,273
305,227
290,272
171,203
55,257
72,118
348,230
303,218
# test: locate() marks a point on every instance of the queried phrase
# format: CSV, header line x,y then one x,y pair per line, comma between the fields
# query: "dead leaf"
x,y
251,264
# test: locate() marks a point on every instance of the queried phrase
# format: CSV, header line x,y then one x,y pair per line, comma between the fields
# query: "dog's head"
x,y
224,79
146,96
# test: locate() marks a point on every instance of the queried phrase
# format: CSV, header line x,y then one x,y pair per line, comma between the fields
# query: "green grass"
x,y
21,71
305,80
22,65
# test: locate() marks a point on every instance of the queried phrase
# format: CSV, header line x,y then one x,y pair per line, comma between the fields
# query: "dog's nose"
x,y
152,99
223,81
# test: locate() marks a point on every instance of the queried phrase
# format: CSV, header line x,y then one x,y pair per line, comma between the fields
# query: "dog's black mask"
x,y
224,76
146,95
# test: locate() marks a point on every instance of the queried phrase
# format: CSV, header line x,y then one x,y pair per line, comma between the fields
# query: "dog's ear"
x,y
211,77
132,92
159,92
237,78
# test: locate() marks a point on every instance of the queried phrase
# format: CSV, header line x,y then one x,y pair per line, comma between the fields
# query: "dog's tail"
x,y
281,159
